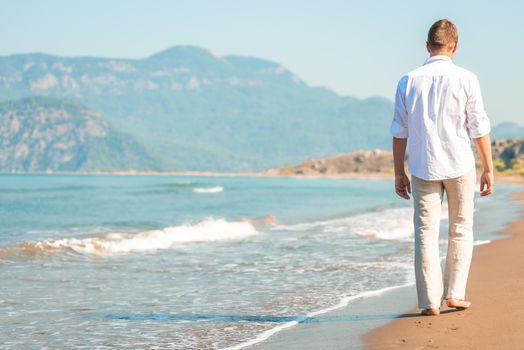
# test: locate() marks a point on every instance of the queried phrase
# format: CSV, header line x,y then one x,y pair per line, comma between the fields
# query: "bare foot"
x,y
458,304
430,312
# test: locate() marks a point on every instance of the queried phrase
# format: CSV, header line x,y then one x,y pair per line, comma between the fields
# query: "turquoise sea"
x,y
195,262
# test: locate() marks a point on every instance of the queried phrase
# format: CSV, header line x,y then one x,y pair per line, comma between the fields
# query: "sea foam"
x,y
344,301
389,224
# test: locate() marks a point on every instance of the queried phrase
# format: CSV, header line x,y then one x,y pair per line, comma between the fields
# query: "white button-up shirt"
x,y
439,109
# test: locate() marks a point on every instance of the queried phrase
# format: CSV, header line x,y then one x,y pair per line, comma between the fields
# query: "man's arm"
x,y
483,145
479,127
402,184
399,129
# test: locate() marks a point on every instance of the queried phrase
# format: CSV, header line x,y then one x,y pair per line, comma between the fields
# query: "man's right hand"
x,y
402,186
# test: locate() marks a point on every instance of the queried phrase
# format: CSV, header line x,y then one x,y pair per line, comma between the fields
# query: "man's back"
x,y
439,108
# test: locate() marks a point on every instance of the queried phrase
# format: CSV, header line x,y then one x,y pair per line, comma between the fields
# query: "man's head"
x,y
442,38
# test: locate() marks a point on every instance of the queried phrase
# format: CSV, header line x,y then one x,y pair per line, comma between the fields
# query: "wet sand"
x,y
496,317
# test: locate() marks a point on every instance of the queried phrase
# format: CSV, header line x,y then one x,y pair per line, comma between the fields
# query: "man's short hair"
x,y
443,34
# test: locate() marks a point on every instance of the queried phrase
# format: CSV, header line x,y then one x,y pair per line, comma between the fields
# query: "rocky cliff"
x,y
509,156
375,161
43,134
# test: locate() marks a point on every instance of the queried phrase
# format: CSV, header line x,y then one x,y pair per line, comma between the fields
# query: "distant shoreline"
x,y
211,174
375,175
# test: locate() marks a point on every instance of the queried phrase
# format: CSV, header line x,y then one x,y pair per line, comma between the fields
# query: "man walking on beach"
x,y
438,111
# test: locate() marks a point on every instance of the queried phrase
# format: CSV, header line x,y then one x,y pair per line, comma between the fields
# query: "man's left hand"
x,y
486,183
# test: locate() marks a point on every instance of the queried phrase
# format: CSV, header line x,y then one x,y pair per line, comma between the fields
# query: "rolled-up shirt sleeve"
x,y
399,125
477,121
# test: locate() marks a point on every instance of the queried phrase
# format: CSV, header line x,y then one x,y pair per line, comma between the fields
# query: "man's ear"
x,y
455,47
428,47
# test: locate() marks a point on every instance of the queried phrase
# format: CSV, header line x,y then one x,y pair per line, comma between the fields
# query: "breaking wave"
x,y
215,189
124,243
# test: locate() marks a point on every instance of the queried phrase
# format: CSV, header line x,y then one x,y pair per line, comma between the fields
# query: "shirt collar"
x,y
437,58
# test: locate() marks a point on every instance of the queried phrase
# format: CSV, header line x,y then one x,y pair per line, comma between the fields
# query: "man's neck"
x,y
442,54
436,57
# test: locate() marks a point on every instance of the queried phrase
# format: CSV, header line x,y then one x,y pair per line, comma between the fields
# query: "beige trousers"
x,y
432,289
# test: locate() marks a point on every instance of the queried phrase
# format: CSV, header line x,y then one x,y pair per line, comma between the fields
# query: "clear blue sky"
x,y
357,48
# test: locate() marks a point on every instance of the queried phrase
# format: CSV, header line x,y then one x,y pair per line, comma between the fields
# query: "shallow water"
x,y
195,262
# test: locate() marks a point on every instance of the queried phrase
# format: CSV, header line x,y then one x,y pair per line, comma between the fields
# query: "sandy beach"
x,y
496,317
494,320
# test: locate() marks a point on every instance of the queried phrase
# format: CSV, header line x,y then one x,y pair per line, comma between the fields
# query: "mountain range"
x,y
181,109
